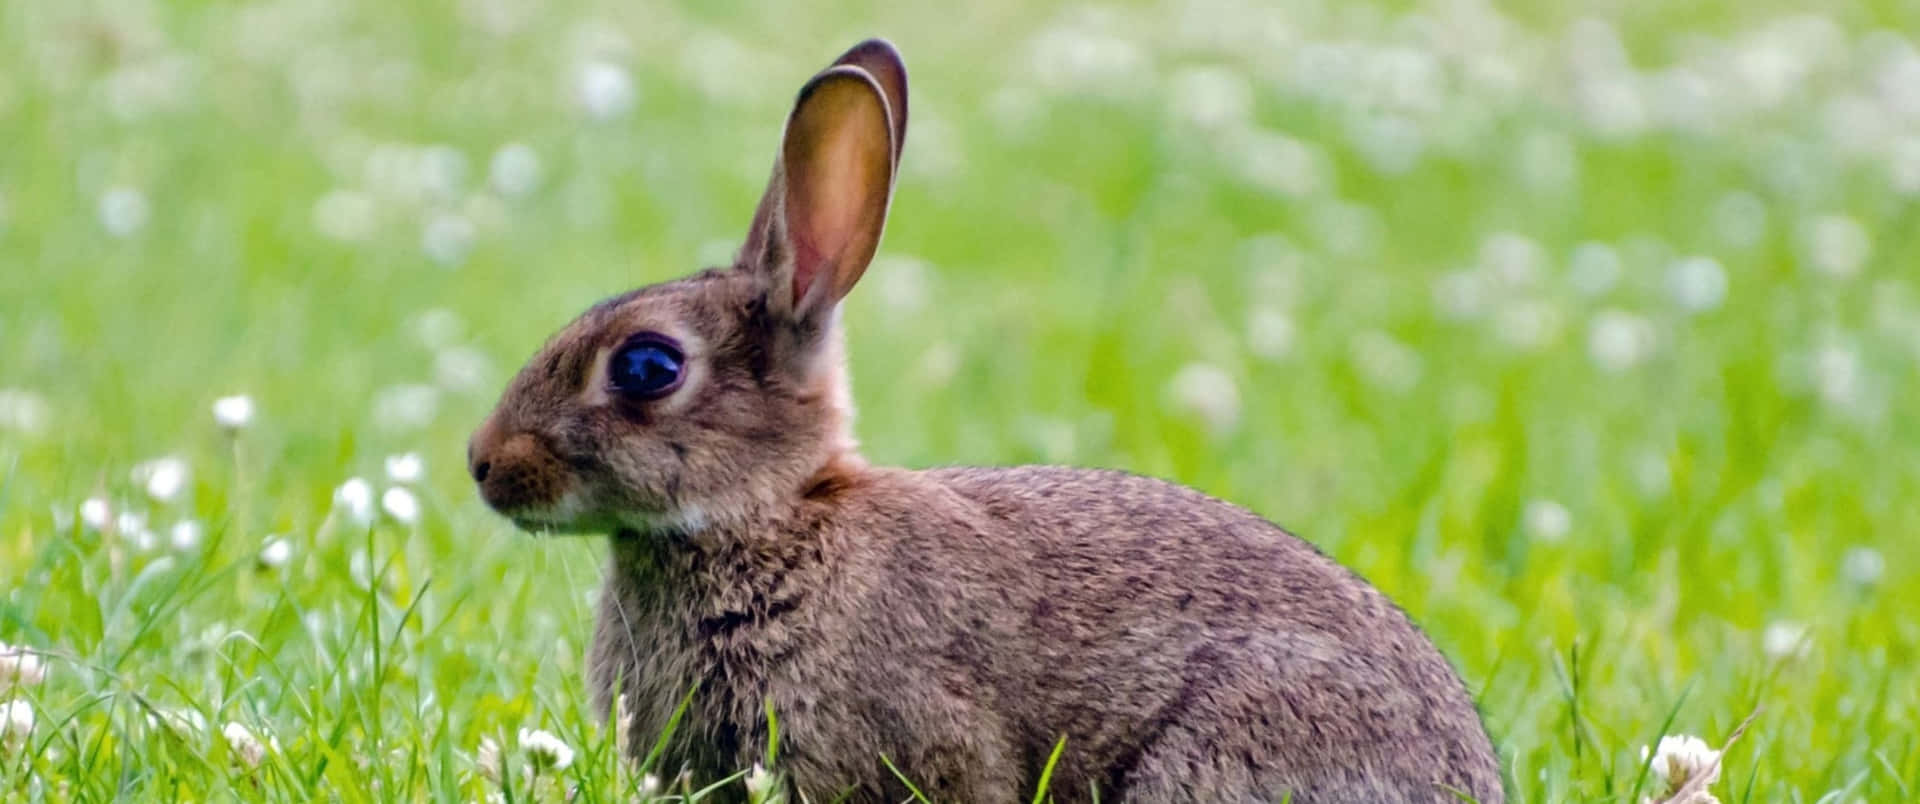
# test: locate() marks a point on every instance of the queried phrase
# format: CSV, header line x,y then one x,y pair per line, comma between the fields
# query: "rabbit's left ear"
x,y
820,222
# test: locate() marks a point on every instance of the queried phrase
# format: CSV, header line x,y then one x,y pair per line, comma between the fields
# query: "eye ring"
x,y
646,366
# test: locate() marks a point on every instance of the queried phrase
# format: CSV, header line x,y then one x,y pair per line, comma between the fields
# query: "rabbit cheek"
x,y
522,476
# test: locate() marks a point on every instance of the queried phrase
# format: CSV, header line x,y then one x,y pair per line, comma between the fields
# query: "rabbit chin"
x,y
568,516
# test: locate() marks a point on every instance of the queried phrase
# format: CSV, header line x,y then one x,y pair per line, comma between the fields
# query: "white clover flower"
x,y
233,412
1527,323
16,725
604,89
486,760
1462,295
461,368
164,477
275,553
186,724
1836,374
400,504
23,411
1274,162
1385,362
1618,340
186,534
1837,245
1270,333
132,527
345,215
515,170
544,751
438,327
95,513
759,784
447,238
1786,640
1547,520
649,785
1740,219
1512,260
355,499
1863,566
1206,392
1593,268
20,667
1697,284
244,744
1210,97
406,467
1679,759
123,211
405,407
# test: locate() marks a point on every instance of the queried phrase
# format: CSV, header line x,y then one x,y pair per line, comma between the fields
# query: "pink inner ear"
x,y
838,163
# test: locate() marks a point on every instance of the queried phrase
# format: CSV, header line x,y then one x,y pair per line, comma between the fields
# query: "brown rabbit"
x,y
956,622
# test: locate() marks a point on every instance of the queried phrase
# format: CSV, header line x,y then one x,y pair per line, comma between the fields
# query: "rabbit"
x,y
949,627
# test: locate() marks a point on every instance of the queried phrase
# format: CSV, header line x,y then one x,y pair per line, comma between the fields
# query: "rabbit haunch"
x,y
956,622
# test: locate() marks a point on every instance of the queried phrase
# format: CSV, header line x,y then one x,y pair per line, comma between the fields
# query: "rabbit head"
x,y
699,399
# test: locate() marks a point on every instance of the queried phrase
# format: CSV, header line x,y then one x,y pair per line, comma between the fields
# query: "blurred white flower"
x,y
1273,162
123,211
1270,333
1080,57
1593,268
1786,640
164,477
603,89
1837,245
23,411
1547,520
1652,474
1208,393
1903,166
1512,260
20,667
1548,161
355,499
1618,340
185,724
185,535
447,238
1863,566
437,327
1836,374
544,751
649,785
1210,97
1698,284
16,725
515,170
244,744
461,368
759,784
400,408
1613,107
132,527
407,467
1678,760
347,215
1740,219
233,412
400,504
95,513
904,285
275,553
442,171
1462,294
486,760
1385,362
1527,324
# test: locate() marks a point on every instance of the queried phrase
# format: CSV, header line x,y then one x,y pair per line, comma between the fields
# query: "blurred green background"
x,y
1588,334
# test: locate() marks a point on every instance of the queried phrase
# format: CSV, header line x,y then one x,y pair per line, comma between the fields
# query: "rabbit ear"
x,y
881,61
826,205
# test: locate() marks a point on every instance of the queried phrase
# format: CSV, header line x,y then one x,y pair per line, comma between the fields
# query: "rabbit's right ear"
x,y
820,222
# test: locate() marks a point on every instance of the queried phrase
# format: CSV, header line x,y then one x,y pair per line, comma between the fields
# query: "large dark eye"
x,y
648,366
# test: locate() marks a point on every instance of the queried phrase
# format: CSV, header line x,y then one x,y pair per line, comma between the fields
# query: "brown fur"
x,y
958,622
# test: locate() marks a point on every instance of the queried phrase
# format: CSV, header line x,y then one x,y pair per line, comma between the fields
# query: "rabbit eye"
x,y
649,367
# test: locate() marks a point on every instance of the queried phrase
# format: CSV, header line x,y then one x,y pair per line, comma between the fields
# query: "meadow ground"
x,y
1592,340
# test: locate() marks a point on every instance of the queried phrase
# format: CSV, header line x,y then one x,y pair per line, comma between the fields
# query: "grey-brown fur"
x,y
957,621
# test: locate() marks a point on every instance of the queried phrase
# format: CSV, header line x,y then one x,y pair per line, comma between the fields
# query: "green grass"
x,y
1081,216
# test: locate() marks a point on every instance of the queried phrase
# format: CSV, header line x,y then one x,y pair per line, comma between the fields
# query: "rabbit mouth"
x,y
568,517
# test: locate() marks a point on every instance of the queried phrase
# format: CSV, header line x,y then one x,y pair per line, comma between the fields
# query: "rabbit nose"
x,y
480,449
